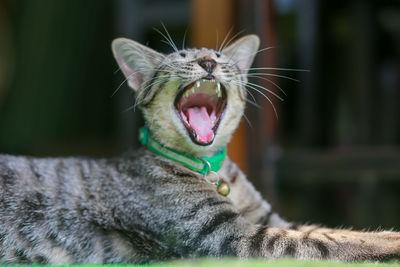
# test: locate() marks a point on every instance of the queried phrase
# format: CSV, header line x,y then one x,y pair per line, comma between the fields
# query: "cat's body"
x,y
68,210
142,207
117,210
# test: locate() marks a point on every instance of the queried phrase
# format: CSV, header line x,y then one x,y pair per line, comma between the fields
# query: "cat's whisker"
x,y
169,42
240,83
266,89
226,37
270,81
132,74
269,74
140,98
120,85
261,50
266,97
159,76
158,79
231,39
253,86
216,42
149,83
170,38
255,53
116,71
270,101
184,39
252,96
162,67
165,70
129,109
248,121
282,69
162,63
156,58
253,103
175,68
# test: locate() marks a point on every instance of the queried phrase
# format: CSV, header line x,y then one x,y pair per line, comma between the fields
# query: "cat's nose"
x,y
207,63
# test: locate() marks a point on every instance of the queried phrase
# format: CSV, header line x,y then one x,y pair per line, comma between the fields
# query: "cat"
x,y
179,195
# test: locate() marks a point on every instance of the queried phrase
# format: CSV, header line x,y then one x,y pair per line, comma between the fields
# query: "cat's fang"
x,y
218,90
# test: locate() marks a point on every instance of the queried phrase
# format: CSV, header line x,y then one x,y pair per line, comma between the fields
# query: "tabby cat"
x,y
155,204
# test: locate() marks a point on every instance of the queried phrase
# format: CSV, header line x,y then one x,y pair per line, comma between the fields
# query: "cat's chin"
x,y
200,107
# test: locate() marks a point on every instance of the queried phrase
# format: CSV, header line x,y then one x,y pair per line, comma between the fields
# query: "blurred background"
x,y
332,156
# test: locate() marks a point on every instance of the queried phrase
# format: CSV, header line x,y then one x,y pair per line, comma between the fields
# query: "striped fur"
x,y
142,208
70,210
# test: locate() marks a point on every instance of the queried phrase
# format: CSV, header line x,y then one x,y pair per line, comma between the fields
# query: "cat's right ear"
x,y
136,61
243,51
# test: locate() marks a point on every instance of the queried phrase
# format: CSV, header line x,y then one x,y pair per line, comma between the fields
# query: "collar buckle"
x,y
210,176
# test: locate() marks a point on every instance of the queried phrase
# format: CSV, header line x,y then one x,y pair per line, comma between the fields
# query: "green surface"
x,y
274,263
259,263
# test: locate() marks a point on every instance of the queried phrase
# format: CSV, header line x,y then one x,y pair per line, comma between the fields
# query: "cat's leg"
x,y
220,231
186,217
278,238
321,243
248,200
211,226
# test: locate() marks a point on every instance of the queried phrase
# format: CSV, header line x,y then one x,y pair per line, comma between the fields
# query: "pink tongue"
x,y
200,121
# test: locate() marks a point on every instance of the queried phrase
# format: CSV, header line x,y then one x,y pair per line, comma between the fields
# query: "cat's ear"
x,y
136,61
243,51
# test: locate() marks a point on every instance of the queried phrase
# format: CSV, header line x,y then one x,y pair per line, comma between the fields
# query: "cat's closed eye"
x,y
182,54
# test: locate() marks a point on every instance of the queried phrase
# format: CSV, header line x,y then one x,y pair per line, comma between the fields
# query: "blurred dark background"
x,y
332,156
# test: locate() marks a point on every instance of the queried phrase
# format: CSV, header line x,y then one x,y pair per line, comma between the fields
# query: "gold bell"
x,y
223,188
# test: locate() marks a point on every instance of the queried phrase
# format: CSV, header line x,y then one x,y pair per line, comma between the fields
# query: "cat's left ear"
x,y
243,51
136,61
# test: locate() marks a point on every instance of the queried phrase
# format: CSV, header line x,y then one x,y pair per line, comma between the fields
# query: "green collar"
x,y
197,164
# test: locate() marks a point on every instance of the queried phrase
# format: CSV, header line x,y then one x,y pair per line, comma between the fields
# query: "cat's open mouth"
x,y
200,106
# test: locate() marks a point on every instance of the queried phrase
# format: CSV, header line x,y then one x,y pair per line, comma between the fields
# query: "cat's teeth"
x,y
213,117
218,90
201,87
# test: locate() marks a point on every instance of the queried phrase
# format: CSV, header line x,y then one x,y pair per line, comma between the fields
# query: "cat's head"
x,y
192,99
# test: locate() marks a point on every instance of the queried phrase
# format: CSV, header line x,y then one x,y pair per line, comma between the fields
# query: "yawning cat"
x,y
179,196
